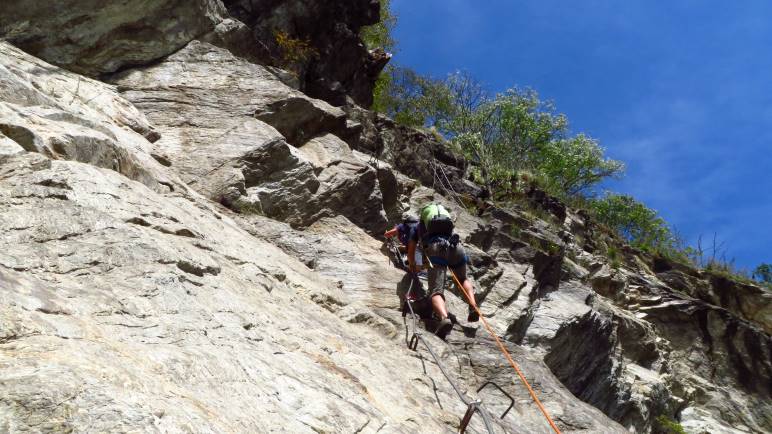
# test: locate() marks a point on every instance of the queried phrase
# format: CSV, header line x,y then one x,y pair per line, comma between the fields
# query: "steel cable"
x,y
417,334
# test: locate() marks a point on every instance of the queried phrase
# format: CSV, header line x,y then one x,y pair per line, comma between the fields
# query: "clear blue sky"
x,y
680,91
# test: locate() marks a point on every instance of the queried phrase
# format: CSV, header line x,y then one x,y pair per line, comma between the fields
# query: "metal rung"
x,y
470,410
512,400
413,344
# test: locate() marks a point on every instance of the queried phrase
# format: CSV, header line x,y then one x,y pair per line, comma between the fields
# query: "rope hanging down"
x,y
506,354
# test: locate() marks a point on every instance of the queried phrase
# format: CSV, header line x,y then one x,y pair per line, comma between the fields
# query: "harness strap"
x,y
433,238
439,260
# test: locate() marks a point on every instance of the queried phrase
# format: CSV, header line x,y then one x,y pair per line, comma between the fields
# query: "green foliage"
x,y
576,164
721,267
515,131
295,53
379,35
728,270
665,425
407,97
502,135
763,274
382,89
513,128
640,225
613,256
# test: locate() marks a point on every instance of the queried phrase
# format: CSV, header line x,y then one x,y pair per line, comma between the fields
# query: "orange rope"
x,y
506,353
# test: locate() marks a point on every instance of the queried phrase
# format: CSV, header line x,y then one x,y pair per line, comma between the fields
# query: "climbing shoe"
x,y
452,318
473,315
443,328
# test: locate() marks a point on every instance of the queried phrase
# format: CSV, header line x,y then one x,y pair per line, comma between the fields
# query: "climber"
x,y
442,249
412,291
404,232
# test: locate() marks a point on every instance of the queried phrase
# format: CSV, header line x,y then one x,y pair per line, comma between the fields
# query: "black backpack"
x,y
436,220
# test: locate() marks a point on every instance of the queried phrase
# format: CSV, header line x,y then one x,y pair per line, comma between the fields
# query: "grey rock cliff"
x,y
99,37
194,246
129,308
94,37
338,64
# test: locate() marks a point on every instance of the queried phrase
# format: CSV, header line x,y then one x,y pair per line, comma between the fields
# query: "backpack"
x,y
436,219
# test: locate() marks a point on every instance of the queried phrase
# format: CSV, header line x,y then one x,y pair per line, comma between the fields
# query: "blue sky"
x,y
679,91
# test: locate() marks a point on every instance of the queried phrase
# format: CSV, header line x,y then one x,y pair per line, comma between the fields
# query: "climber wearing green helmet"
x,y
443,250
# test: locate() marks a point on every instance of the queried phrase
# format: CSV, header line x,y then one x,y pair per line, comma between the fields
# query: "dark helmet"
x,y
409,218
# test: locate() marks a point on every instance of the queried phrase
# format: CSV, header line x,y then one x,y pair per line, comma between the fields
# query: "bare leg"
x,y
438,304
469,289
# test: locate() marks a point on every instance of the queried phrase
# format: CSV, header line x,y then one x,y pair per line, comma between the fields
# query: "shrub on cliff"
x,y
410,98
763,274
503,134
294,53
380,36
637,223
666,425
575,165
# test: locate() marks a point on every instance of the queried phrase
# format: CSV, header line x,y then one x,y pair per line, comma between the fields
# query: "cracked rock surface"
x,y
195,247
132,307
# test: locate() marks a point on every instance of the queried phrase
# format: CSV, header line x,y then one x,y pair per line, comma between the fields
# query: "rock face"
x,y
94,37
153,309
98,37
127,310
247,109
404,148
337,63
64,115
194,246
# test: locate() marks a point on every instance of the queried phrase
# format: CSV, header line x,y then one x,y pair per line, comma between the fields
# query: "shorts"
x,y
443,257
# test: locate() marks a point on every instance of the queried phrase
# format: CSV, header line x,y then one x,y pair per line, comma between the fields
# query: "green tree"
x,y
411,99
572,166
637,223
379,35
516,131
500,134
525,125
763,273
